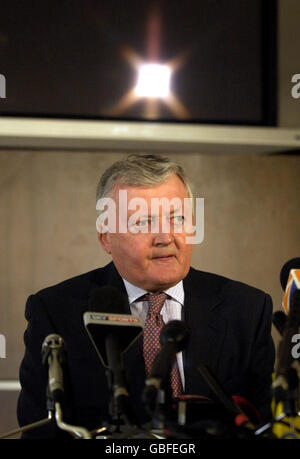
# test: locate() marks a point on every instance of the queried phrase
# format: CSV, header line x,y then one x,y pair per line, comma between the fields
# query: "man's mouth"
x,y
164,257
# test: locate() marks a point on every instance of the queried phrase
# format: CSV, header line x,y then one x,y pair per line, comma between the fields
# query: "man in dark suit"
x,y
229,322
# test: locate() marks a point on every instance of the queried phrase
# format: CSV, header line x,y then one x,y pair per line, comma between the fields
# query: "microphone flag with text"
x,y
286,380
108,316
290,282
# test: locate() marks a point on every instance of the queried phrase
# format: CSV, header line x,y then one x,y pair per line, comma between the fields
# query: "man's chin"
x,y
163,283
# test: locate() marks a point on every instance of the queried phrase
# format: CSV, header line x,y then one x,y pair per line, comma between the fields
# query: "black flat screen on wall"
x,y
194,61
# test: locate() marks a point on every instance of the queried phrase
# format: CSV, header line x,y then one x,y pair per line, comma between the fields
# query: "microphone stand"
x,y
54,411
34,425
286,390
28,427
158,414
120,408
113,407
76,431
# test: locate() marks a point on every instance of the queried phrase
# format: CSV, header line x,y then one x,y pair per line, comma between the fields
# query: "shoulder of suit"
x,y
223,285
78,285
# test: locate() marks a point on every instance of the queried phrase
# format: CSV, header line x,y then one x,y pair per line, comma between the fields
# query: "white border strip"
x,y
12,385
16,132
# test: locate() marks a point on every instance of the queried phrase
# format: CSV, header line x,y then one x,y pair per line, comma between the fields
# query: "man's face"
x,y
157,260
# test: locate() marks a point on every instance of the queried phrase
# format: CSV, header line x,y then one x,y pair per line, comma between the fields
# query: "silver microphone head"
x,y
53,341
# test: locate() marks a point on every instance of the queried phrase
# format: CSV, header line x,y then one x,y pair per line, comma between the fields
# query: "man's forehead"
x,y
166,198
156,211
171,186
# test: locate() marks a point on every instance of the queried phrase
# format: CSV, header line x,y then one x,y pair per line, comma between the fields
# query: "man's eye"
x,y
178,218
143,222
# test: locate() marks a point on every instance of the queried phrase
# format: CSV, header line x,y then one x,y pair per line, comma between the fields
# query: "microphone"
x,y
290,281
279,321
112,333
173,338
53,355
285,357
229,403
294,263
108,315
286,378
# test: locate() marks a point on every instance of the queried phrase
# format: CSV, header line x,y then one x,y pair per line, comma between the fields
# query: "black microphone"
x,y
286,383
112,332
286,322
285,357
173,338
279,320
53,356
289,279
239,417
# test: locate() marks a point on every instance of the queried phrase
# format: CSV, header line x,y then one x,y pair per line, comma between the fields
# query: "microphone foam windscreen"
x,y
108,299
176,331
279,320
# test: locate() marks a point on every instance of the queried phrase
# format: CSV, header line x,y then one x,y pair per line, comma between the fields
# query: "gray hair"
x,y
140,170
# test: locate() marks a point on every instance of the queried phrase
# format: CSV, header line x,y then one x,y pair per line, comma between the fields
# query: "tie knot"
x,y
156,301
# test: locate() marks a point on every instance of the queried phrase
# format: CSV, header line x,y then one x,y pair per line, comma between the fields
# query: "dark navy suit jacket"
x,y
230,331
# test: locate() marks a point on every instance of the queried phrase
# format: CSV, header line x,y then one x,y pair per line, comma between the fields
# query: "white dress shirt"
x,y
171,310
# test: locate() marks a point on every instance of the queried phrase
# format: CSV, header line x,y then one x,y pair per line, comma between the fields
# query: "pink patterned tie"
x,y
151,345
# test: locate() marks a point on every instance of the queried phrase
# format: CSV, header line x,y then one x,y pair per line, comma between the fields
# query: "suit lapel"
x,y
113,278
207,329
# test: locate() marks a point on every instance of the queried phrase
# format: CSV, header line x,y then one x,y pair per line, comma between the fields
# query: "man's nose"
x,y
163,238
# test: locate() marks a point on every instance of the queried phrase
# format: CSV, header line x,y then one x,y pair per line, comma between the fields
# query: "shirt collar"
x,y
134,292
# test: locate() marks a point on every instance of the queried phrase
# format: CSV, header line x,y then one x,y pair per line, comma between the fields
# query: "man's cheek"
x,y
133,254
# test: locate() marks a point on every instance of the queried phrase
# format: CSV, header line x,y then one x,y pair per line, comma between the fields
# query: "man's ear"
x,y
104,241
